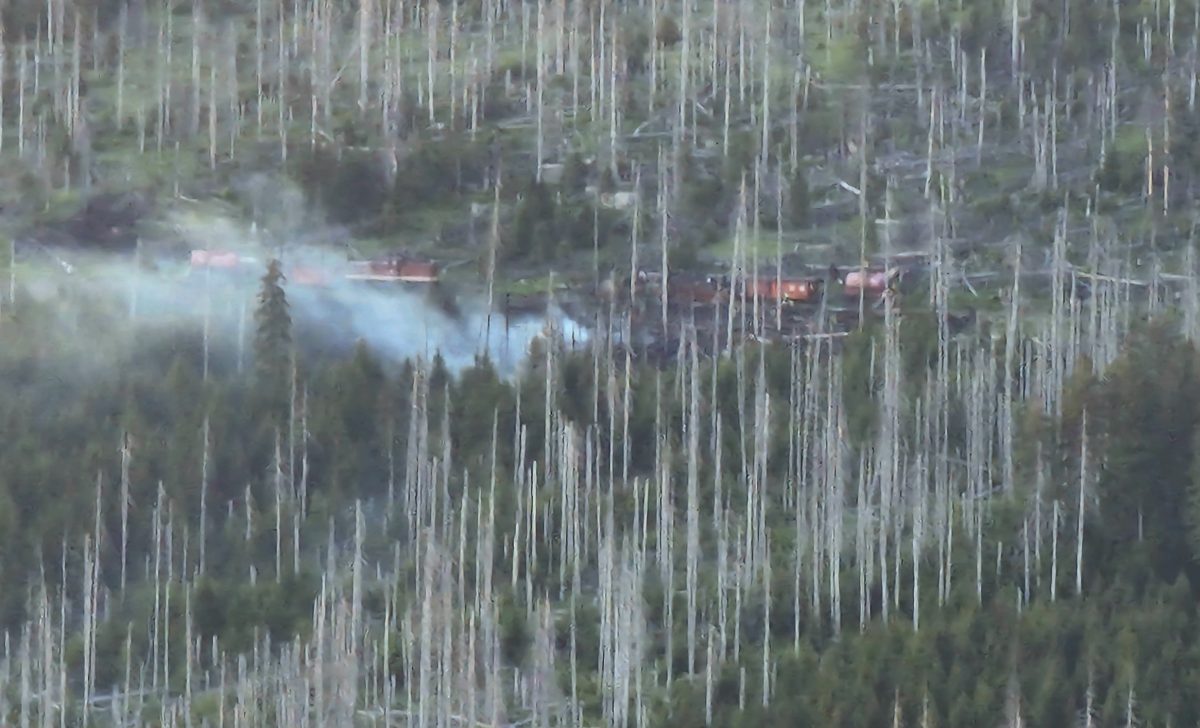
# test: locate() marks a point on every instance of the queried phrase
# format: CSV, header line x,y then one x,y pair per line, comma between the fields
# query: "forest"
x,y
909,528
230,504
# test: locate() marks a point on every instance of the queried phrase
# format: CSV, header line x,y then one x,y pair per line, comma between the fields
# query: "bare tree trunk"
x,y
125,502
278,488
1054,555
365,40
3,77
203,529
1083,476
693,495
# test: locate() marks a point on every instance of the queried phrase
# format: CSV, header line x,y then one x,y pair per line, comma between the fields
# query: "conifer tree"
x,y
798,196
273,337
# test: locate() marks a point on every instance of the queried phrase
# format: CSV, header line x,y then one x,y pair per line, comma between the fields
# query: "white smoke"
x,y
401,323
156,292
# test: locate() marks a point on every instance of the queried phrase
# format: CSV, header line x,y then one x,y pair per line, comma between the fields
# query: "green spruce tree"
x,y
273,338
798,198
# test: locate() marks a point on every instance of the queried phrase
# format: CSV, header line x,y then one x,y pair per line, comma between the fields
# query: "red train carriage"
x,y
796,290
869,283
718,289
688,290
400,269
219,259
228,262
308,276
789,290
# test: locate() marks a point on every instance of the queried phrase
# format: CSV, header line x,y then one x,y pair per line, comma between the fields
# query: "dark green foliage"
x,y
535,232
637,50
1144,420
551,221
353,187
1137,620
860,385
668,32
706,201
703,194
1124,165
575,174
234,612
798,198
349,186
273,339
608,182
20,20
437,168
515,633
352,422
482,401
739,160
961,664
1135,628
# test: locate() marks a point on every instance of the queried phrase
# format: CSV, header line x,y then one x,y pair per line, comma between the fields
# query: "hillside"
x,y
555,488
391,124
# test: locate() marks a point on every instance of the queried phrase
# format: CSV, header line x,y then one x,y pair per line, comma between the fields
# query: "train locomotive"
x,y
871,284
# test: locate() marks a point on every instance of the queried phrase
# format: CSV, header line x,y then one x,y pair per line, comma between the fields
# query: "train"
x,y
394,268
869,283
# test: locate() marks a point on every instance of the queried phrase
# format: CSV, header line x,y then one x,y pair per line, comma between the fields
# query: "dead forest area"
x,y
911,528
587,138
906,525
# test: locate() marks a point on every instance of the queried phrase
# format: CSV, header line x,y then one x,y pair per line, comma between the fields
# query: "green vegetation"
x,y
976,506
990,640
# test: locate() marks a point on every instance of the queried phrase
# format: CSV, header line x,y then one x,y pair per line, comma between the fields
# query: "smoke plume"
x,y
124,300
